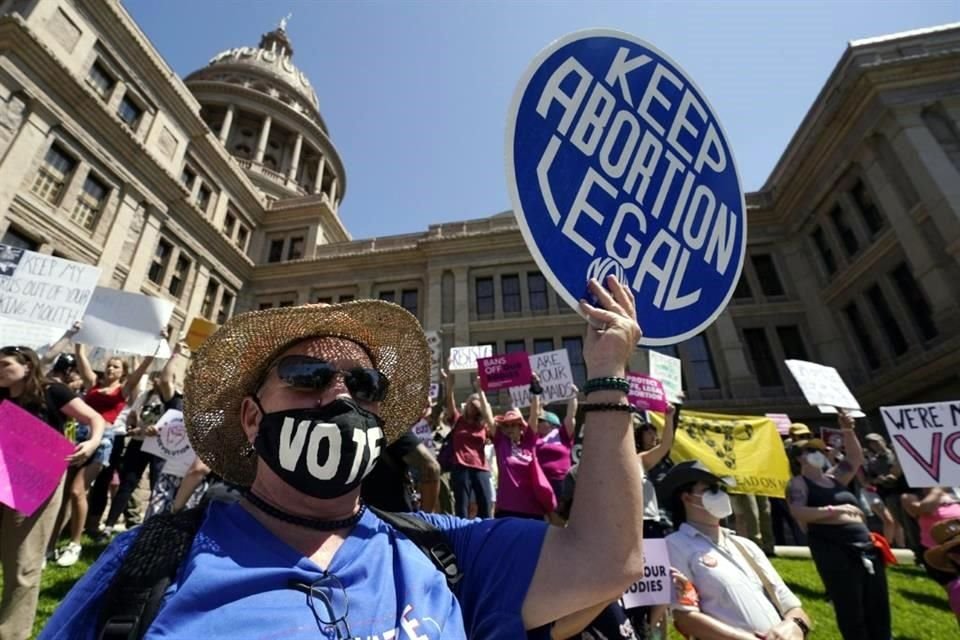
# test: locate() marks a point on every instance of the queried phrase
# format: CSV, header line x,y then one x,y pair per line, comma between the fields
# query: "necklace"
x,y
319,525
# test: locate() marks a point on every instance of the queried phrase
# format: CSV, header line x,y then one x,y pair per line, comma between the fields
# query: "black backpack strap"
x,y
133,598
431,541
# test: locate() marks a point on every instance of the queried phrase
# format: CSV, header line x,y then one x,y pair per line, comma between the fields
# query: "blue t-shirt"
x,y
236,581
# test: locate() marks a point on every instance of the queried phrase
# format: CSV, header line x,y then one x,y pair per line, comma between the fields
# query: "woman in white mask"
x,y
842,547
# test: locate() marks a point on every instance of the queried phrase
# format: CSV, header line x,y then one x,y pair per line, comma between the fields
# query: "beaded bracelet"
x,y
606,384
609,406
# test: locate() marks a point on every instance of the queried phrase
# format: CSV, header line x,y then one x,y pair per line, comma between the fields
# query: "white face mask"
x,y
717,504
816,459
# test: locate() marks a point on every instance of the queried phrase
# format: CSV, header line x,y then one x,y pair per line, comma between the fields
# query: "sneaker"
x,y
69,555
120,527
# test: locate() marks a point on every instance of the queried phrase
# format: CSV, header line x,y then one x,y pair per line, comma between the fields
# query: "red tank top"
x,y
108,404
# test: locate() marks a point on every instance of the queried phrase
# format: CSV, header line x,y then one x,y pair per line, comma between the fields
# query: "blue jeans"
x,y
467,481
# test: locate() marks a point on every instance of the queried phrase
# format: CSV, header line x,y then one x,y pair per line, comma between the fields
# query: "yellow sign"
x,y
747,448
200,330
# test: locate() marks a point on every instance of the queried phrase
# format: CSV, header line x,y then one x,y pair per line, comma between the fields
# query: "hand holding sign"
x,y
607,349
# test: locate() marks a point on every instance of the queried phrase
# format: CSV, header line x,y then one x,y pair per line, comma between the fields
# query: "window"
x,y
698,353
898,344
562,306
346,298
187,176
914,300
209,298
90,203
537,288
101,80
180,272
860,332
510,288
667,350
514,346
295,251
229,224
129,112
243,234
492,345
764,362
408,300
792,342
767,275
226,307
276,250
542,345
204,195
484,294
578,366
389,296
12,238
325,300
285,303
742,292
265,305
161,256
53,175
868,211
823,248
847,237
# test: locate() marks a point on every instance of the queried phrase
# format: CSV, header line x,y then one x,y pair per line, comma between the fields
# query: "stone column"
x,y
333,190
739,378
932,277
23,157
227,124
433,304
220,210
262,141
143,256
461,316
318,180
295,158
127,208
171,267
365,290
195,302
71,191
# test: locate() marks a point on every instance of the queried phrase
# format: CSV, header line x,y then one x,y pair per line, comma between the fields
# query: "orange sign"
x,y
200,330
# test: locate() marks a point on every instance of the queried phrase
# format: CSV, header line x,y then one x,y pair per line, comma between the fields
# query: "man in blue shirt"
x,y
296,404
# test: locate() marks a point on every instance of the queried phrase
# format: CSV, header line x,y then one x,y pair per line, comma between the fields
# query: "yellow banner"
x,y
200,330
747,448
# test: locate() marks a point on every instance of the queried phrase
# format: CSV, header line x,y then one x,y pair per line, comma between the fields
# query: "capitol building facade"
x,y
220,191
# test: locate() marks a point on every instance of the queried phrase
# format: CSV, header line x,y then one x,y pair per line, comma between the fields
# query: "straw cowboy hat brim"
x,y
947,535
231,362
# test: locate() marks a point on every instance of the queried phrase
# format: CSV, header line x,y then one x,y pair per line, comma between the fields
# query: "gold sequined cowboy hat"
x,y
230,363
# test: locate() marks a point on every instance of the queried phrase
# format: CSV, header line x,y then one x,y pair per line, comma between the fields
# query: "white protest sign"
x,y
822,385
668,371
424,432
436,353
25,334
44,290
556,378
465,358
128,322
656,585
171,443
926,438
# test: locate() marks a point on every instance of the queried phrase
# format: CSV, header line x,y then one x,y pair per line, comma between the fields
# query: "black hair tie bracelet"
x,y
609,406
606,384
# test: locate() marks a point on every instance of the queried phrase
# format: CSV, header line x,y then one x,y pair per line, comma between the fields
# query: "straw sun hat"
x,y
946,534
230,363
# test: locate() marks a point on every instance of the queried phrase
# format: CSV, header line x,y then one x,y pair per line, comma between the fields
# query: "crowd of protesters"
x,y
332,371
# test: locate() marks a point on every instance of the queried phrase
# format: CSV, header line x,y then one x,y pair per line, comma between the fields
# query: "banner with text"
x,y
465,358
667,370
126,322
501,372
656,585
926,438
43,290
646,393
556,378
747,448
33,459
822,386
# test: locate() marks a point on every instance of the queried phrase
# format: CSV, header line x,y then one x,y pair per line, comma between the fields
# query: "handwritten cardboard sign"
x,y
171,443
501,372
26,334
668,371
200,329
646,393
33,459
44,290
832,437
127,322
656,585
465,358
556,378
926,438
822,386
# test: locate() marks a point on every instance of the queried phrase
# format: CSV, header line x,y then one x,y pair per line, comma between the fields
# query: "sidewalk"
x,y
903,556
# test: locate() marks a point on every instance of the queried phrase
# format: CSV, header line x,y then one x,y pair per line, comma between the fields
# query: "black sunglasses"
x,y
13,351
303,372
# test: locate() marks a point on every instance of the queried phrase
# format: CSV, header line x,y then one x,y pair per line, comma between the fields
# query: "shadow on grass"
x,y
937,602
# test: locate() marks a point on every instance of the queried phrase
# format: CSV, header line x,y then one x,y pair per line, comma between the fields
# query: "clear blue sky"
x,y
415,93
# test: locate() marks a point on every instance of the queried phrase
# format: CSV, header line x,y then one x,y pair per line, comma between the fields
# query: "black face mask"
x,y
323,452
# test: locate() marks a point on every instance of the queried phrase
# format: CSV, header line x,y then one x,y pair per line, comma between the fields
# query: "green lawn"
x,y
920,609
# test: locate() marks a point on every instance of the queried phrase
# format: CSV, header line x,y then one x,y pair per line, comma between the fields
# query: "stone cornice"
x,y
308,208
862,265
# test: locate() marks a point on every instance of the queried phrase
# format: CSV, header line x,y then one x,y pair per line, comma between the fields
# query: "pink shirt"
x,y
927,520
468,440
515,478
553,453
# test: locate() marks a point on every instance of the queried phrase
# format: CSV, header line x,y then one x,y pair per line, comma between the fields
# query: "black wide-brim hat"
x,y
686,473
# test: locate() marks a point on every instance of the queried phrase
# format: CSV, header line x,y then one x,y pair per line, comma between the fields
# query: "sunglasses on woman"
x,y
303,372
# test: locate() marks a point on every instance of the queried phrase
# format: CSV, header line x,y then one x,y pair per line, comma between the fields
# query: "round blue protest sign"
x,y
616,164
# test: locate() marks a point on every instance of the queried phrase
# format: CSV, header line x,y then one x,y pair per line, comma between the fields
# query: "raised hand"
x,y
612,331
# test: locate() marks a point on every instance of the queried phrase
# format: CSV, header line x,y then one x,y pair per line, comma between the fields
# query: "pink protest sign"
x,y
782,421
32,459
501,372
646,393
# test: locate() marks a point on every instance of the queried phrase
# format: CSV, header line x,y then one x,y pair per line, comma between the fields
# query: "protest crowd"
x,y
428,510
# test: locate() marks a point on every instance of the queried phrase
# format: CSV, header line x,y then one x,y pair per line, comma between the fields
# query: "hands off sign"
x,y
501,372
616,164
556,378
